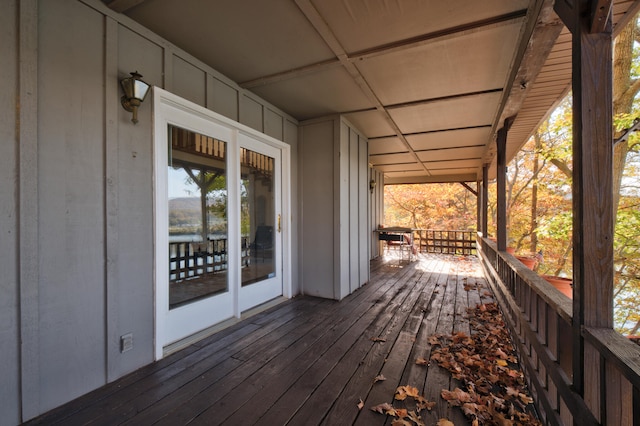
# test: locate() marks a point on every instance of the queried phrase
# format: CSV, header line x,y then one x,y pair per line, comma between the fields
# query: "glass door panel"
x,y
258,216
198,226
260,225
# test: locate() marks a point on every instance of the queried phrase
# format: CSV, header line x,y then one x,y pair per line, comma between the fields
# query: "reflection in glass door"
x,y
198,231
260,223
257,212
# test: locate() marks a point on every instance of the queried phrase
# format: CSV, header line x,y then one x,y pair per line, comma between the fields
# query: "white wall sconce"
x,y
135,90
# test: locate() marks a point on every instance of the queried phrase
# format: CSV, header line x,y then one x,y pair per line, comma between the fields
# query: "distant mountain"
x,y
184,203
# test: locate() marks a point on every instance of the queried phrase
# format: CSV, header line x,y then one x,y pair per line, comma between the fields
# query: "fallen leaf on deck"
x,y
492,392
379,378
401,413
444,422
384,408
404,391
360,404
378,339
401,422
422,361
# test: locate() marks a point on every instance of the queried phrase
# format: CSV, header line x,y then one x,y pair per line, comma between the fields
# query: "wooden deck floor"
x,y
306,361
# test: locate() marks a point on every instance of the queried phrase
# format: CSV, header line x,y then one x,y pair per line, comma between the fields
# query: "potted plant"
x,y
528,261
565,285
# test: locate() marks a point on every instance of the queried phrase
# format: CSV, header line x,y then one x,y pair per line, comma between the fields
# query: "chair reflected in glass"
x,y
262,243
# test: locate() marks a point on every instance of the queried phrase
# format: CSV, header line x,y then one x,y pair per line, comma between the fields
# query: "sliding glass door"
x,y
218,220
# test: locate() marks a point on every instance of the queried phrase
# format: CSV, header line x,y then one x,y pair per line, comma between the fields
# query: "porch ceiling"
x,y
427,81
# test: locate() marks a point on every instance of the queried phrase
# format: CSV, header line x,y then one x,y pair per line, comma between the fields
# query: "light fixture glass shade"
x,y
135,91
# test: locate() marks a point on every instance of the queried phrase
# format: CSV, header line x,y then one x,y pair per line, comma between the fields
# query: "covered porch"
x,y
310,360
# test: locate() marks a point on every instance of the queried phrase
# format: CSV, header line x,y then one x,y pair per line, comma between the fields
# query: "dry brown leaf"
x,y
422,361
384,408
404,391
444,422
525,398
378,339
360,404
512,391
401,413
379,378
401,422
415,417
423,404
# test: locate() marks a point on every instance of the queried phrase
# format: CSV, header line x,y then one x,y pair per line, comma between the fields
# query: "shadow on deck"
x,y
306,361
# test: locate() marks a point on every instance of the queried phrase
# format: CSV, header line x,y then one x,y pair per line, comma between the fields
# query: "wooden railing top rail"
x,y
616,349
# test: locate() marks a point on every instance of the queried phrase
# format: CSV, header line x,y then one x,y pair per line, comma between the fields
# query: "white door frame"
x,y
177,324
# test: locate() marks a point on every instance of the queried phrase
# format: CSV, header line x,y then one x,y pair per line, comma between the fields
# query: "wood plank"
x,y
306,361
277,377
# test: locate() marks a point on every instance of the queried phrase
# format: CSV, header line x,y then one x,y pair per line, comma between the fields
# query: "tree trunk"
x,y
624,91
533,248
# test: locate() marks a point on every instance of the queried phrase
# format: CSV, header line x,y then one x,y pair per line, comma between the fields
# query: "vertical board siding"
x,y
341,187
71,203
354,214
189,81
130,287
251,113
9,217
317,207
363,209
84,204
273,124
222,98
332,160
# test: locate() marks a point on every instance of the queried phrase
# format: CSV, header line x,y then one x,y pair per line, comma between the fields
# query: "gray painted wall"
x,y
76,212
335,206
9,297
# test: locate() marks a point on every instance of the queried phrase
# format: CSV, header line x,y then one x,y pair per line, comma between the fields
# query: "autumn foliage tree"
x,y
430,206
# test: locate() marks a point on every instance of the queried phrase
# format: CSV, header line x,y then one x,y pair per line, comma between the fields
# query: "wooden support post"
x,y
501,177
485,201
592,189
479,206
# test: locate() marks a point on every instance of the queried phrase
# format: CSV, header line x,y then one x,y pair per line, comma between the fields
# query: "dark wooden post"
x,y
479,206
501,177
592,184
485,200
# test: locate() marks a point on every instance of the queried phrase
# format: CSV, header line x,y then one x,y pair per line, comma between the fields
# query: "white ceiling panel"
x,y
414,167
456,113
450,138
307,96
391,159
390,145
372,123
441,68
365,24
242,39
451,154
